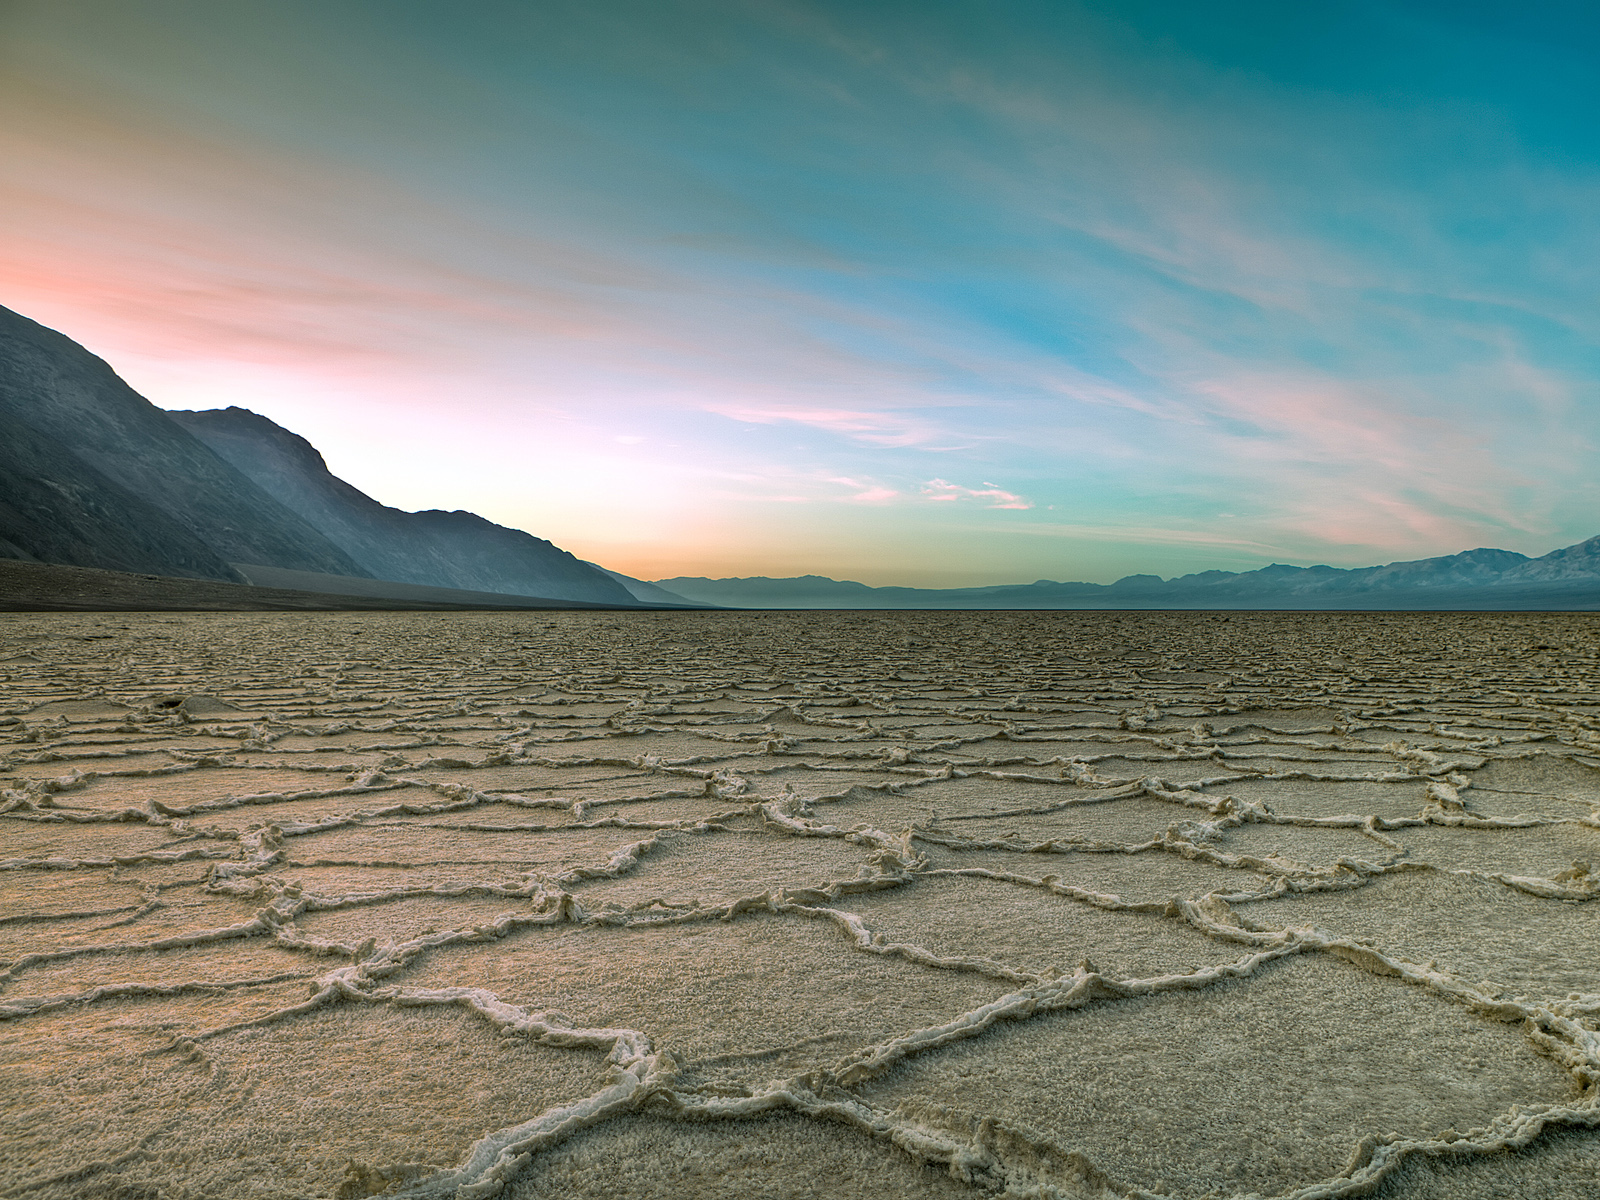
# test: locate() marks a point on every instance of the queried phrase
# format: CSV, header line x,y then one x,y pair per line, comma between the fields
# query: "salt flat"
x,y
799,904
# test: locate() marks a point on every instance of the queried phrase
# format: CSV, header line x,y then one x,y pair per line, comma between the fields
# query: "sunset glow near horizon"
x,y
926,294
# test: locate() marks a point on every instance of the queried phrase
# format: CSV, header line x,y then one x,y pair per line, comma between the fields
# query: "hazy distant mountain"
x,y
433,547
1580,562
803,591
1475,579
94,475
646,593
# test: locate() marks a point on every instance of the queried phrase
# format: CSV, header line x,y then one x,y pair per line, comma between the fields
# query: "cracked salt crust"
x,y
718,904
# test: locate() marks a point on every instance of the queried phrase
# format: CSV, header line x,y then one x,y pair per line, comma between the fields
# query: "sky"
x,y
919,293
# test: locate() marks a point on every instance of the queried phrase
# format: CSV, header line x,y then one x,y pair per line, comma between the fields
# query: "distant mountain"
x,y
1473,580
803,591
94,475
433,547
646,593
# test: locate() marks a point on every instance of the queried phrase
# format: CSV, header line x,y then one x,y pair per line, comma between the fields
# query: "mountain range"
x,y
1568,578
436,548
92,475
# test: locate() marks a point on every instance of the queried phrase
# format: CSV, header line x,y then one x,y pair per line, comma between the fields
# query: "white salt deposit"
x,y
776,905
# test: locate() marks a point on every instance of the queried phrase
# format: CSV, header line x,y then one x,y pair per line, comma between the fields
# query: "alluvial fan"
x,y
799,904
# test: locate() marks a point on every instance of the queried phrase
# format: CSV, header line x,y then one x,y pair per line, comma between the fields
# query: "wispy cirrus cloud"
x,y
776,483
874,428
942,491
808,265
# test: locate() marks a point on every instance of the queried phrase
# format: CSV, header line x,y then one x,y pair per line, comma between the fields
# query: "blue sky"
x,y
933,294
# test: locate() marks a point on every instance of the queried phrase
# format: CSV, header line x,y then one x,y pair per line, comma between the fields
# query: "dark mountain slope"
x,y
436,548
46,587
56,508
135,489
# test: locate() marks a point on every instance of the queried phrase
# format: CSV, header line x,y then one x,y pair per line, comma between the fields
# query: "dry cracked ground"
x,y
581,905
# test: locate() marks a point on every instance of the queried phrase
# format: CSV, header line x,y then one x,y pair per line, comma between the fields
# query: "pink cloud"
x,y
865,491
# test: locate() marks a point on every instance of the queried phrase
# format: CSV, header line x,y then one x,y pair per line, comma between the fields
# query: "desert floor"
x,y
735,905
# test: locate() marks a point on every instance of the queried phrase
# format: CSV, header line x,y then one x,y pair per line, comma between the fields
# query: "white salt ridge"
x,y
1150,787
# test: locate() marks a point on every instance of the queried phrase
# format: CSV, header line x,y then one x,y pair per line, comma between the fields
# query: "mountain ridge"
x,y
94,476
1568,576
433,547
93,473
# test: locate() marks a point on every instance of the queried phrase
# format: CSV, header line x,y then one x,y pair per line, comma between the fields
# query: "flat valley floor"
x,y
734,905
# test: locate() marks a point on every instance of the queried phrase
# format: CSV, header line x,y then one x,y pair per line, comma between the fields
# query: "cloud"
x,y
866,491
887,429
943,491
778,484
1189,304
